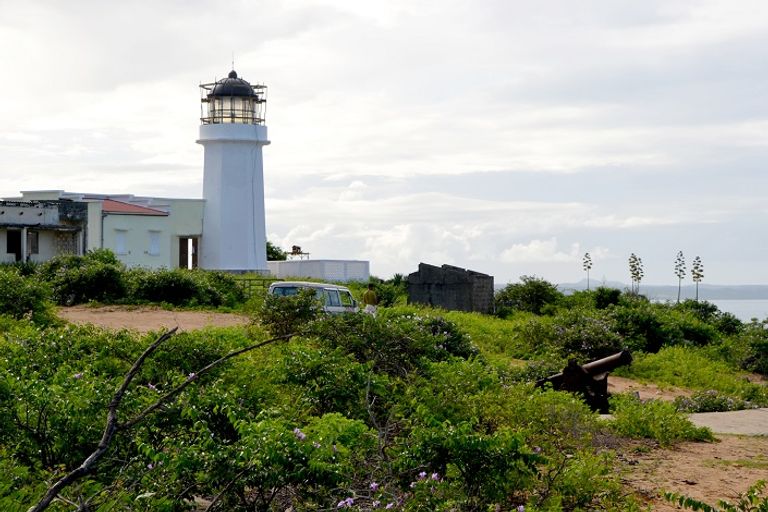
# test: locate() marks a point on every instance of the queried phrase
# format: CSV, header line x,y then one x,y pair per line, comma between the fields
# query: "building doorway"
x,y
188,252
13,244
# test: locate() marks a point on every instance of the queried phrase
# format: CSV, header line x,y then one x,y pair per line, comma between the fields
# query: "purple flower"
x,y
299,434
537,449
152,386
375,503
435,477
316,444
150,466
77,376
422,475
390,505
374,486
521,508
191,375
346,503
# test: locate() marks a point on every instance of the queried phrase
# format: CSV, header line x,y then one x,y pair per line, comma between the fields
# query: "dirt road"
x,y
144,319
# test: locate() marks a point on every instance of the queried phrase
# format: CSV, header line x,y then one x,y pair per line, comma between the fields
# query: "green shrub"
x,y
639,323
710,401
24,296
580,480
586,335
182,287
176,286
654,419
531,295
605,297
537,369
97,276
289,315
392,344
329,380
484,468
749,348
754,500
691,368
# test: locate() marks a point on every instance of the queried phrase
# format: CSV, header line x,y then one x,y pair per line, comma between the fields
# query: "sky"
x,y
505,136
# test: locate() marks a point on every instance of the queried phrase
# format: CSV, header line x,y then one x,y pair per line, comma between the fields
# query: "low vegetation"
x,y
415,409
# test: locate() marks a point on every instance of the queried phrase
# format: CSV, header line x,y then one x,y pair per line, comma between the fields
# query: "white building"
x,y
226,228
142,231
327,270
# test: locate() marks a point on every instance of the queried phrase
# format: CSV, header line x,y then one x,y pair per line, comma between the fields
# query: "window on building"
x,y
120,241
154,243
33,242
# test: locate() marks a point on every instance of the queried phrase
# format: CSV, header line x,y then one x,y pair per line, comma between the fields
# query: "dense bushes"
x,y
359,412
414,409
182,287
22,296
532,294
654,419
100,277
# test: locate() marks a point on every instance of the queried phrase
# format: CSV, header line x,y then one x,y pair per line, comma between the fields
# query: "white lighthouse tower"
x,y
232,131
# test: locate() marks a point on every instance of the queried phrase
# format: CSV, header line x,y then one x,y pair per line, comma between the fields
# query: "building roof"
x,y
119,207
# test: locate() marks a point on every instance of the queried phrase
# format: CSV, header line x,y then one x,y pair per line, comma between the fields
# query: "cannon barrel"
x,y
609,363
590,379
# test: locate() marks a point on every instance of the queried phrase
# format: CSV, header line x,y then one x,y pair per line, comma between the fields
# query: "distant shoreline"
x,y
669,292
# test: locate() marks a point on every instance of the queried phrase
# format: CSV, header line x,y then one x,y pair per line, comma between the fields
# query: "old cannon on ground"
x,y
590,379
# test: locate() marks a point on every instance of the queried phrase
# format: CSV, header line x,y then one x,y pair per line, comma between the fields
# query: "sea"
x,y
744,309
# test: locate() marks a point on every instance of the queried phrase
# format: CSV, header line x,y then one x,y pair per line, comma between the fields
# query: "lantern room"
x,y
233,100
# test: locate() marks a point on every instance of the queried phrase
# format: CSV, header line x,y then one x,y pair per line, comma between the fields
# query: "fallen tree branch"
x,y
112,426
193,377
109,429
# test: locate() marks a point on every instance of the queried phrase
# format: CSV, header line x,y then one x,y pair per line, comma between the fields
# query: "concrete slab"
x,y
752,422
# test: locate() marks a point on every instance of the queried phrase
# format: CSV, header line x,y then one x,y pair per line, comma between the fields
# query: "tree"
x,y
531,295
679,272
697,273
636,271
587,264
274,253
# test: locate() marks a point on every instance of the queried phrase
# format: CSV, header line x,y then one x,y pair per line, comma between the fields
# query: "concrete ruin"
x,y
452,288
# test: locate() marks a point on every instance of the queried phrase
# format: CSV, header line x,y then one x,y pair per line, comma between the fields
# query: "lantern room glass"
x,y
232,109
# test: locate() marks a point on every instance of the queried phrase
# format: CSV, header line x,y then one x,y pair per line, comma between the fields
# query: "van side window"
x,y
332,298
285,291
346,298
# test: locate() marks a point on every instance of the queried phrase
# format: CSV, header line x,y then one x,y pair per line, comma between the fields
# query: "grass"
x,y
759,462
689,367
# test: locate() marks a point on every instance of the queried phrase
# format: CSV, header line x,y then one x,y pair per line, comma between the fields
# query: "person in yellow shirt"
x,y
370,300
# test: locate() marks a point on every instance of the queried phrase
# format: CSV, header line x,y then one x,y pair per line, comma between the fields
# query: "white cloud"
x,y
382,115
538,251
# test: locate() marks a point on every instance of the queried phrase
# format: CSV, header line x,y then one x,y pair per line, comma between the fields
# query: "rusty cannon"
x,y
590,379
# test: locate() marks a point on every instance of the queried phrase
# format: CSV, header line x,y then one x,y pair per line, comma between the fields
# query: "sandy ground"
x,y
704,471
645,391
144,319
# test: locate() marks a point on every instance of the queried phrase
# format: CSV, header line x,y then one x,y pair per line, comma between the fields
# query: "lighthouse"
x,y
232,133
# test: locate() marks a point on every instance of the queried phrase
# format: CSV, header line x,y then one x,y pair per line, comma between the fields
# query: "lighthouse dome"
x,y
232,86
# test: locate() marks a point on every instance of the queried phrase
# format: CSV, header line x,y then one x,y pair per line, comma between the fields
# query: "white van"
x,y
336,299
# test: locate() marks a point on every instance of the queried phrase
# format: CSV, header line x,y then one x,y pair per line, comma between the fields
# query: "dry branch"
x,y
112,426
